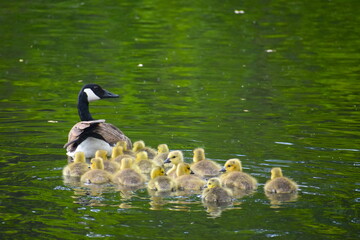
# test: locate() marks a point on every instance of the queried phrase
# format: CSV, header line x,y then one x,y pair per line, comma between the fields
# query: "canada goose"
x,y
90,135
279,183
139,146
204,167
143,162
78,167
174,157
129,174
214,192
162,153
234,178
185,180
126,149
118,154
97,174
159,182
109,165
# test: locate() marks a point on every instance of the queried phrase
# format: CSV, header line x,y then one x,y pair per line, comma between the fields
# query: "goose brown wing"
x,y
96,128
111,134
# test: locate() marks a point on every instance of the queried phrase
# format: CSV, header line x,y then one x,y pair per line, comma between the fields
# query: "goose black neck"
x,y
83,107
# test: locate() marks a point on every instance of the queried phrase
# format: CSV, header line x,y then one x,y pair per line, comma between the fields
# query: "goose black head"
x,y
95,92
91,92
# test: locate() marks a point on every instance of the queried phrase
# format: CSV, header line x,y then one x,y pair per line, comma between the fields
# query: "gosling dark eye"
x,y
228,165
173,156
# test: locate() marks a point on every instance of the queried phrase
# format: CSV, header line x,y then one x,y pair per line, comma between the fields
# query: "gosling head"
x,y
163,148
117,151
276,172
174,157
79,157
199,154
138,145
233,164
157,171
213,182
123,144
101,154
96,163
126,163
142,156
183,169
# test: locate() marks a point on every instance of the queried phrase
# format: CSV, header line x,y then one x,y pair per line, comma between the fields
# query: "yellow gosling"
x,y
215,193
162,153
78,167
118,154
185,180
97,174
126,149
204,167
234,178
279,183
129,175
109,165
159,182
143,162
174,157
140,146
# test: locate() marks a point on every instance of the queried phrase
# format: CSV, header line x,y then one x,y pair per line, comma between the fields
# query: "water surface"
x,y
272,83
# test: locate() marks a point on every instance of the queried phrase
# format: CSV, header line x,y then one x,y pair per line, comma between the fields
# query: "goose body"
x,y
234,178
279,183
186,180
161,156
214,193
78,167
174,157
204,167
89,135
159,182
97,174
129,174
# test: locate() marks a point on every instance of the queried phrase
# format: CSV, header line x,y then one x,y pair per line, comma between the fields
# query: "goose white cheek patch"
x,y
91,95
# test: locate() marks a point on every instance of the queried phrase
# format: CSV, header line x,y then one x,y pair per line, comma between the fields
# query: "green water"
x,y
274,83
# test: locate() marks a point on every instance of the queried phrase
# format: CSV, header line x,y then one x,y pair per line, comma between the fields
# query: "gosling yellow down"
x,y
109,165
279,183
129,174
78,167
234,178
187,181
97,174
143,162
162,153
174,157
204,167
140,146
159,182
215,193
118,153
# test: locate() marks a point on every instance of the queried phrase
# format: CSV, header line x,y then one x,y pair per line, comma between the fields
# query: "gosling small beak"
x,y
191,172
167,160
108,94
222,170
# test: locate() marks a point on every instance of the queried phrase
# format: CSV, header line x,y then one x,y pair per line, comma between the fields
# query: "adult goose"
x,y
90,135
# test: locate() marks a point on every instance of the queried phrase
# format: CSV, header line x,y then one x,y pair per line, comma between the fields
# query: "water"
x,y
272,83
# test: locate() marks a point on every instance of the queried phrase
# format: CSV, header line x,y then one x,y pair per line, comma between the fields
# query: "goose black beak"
x,y
108,94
